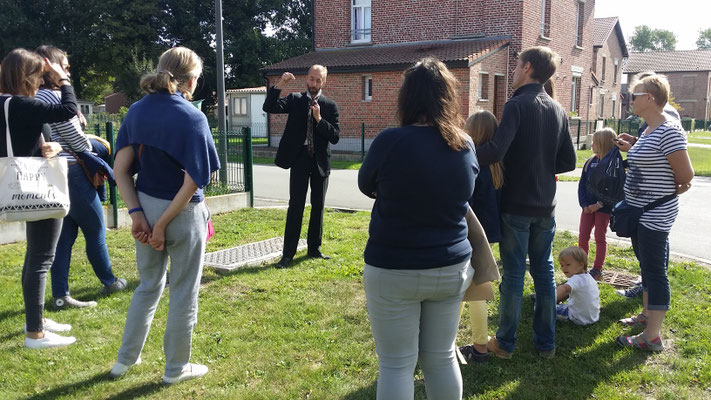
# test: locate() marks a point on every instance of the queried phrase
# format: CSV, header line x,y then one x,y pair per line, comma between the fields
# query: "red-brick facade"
x,y
405,21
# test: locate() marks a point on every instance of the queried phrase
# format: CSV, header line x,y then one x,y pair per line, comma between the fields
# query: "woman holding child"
x,y
659,167
417,268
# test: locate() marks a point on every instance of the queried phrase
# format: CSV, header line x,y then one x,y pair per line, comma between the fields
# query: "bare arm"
x,y
181,199
562,292
683,171
140,229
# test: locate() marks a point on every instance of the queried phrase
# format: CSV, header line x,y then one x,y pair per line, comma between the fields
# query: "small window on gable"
x,y
483,91
367,88
580,24
546,18
604,65
614,78
360,21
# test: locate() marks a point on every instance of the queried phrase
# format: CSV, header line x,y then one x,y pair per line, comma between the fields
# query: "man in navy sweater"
x,y
534,141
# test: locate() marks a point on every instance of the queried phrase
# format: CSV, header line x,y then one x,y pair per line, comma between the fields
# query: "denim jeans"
x,y
521,236
86,213
652,250
41,242
414,316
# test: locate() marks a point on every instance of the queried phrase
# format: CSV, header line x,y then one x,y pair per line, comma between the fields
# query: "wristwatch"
x,y
599,203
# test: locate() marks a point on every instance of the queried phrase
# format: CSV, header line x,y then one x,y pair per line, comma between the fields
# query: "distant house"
x,y
244,108
366,46
115,101
86,107
689,74
609,51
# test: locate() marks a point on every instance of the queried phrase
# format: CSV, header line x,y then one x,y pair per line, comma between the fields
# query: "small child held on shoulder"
x,y
583,306
595,213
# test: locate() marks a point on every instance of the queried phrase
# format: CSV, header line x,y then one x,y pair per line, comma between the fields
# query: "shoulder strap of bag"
x,y
8,139
658,201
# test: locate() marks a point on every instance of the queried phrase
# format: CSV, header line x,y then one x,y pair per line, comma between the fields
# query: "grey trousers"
x,y
184,245
414,316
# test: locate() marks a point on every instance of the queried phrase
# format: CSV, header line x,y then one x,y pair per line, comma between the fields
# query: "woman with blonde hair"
x,y
168,143
20,77
417,268
659,170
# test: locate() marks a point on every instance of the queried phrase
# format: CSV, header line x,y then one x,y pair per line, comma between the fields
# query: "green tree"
x,y
704,40
645,38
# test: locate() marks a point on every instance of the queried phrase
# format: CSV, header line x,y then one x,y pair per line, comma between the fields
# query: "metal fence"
x,y
234,150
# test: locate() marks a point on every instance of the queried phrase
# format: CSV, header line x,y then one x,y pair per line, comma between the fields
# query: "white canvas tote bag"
x,y
31,188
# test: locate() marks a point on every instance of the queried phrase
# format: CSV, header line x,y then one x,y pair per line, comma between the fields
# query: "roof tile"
x,y
668,61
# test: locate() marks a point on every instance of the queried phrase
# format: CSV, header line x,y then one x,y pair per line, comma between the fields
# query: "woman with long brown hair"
x,y
417,268
20,77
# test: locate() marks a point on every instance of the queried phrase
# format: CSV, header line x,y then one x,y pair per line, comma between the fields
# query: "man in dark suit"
x,y
312,124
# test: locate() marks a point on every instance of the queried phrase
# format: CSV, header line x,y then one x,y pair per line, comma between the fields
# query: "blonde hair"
x,y
576,253
428,95
658,86
320,68
481,127
603,140
175,69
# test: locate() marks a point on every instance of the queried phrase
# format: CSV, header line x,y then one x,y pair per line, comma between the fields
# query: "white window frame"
x,y
480,89
579,32
616,70
360,29
237,106
367,88
544,20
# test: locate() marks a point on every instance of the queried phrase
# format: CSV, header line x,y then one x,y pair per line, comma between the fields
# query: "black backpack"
x,y
607,180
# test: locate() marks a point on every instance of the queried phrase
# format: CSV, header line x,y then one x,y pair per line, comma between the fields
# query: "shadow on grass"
x,y
7,314
580,365
76,388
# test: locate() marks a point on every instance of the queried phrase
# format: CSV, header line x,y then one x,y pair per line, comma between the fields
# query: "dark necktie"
x,y
310,128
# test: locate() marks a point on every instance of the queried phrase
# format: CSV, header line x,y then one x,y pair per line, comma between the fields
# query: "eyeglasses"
x,y
634,95
65,67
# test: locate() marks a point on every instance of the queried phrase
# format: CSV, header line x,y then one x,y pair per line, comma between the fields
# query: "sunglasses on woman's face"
x,y
635,95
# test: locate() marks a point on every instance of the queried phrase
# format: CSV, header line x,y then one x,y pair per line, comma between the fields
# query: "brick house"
x,y
689,74
609,51
366,44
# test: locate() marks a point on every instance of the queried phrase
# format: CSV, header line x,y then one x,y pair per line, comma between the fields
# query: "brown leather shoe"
x,y
493,346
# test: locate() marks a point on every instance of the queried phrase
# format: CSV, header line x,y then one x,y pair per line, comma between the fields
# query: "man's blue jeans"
x,y
521,236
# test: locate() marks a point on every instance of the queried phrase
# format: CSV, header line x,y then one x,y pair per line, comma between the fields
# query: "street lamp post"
x,y
221,126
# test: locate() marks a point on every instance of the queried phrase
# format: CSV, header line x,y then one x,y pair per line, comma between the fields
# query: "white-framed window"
x,y
616,70
614,107
575,94
601,106
239,105
546,18
604,66
360,21
580,23
483,90
367,88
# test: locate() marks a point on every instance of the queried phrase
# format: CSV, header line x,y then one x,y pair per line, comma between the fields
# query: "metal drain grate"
x,y
248,255
619,279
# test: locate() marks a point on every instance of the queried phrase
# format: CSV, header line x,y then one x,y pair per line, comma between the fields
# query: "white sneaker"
x,y
50,339
53,326
119,369
190,371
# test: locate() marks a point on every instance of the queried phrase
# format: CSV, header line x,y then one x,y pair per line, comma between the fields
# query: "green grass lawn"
x,y
303,332
701,137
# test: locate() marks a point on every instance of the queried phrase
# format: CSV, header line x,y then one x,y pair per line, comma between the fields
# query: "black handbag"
x,y
625,218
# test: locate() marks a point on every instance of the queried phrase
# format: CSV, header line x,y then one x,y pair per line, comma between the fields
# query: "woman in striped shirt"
x,y
659,166
86,211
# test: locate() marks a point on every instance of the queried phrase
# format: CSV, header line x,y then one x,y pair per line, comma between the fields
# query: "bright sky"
x,y
683,17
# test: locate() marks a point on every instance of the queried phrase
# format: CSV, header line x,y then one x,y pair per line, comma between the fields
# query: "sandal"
x,y
638,342
635,320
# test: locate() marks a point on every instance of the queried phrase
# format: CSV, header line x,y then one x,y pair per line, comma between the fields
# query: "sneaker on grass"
x,y
634,291
52,326
119,369
190,371
49,340
118,285
60,303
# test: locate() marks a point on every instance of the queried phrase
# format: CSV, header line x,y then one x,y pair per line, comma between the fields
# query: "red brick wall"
x,y
690,90
612,87
495,64
347,91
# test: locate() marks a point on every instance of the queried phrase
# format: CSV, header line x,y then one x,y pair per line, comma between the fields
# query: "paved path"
x,y
691,235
